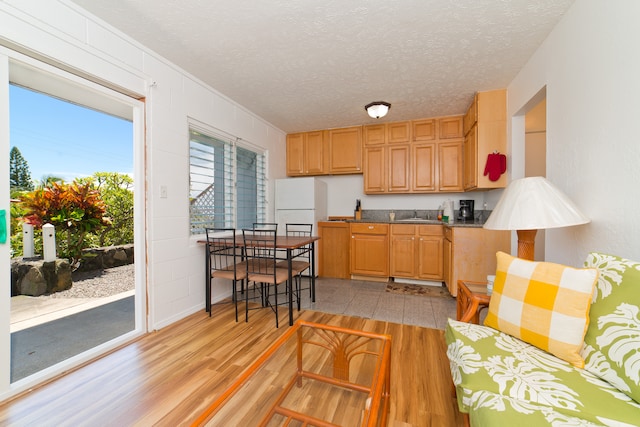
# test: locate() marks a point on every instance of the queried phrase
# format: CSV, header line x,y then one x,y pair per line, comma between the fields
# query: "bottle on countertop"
x,y
448,212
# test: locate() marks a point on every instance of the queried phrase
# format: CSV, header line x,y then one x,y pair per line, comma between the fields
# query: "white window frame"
x,y
231,187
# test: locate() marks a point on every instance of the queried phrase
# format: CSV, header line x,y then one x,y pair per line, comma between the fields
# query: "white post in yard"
x,y
49,242
27,240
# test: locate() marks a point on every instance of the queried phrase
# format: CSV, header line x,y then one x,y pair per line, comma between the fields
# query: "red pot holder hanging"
x,y
496,165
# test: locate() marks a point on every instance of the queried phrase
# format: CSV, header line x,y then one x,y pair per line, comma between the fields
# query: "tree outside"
x,y
116,190
19,174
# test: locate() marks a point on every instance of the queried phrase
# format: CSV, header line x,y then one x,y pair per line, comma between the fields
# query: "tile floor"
x,y
370,300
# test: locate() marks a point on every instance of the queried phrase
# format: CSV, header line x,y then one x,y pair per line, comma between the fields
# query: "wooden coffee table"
x,y
315,375
472,298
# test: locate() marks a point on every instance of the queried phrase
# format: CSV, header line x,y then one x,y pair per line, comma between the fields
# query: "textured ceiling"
x,y
314,64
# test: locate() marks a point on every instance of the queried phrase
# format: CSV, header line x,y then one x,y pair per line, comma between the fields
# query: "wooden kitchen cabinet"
x,y
450,170
398,179
375,166
430,252
485,127
386,166
431,163
345,150
403,254
451,127
333,249
307,153
370,250
470,254
470,154
416,251
374,135
398,132
423,167
424,130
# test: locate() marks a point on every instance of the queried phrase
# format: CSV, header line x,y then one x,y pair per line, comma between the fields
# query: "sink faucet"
x,y
415,214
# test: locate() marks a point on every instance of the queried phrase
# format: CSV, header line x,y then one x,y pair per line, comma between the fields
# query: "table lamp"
x,y
531,204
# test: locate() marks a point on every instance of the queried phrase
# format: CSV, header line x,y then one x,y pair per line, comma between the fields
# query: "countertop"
x,y
420,222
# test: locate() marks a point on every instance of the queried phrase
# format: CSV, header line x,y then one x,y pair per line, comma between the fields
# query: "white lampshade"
x,y
377,109
534,204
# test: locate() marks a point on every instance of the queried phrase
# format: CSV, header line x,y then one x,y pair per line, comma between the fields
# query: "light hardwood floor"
x,y
168,377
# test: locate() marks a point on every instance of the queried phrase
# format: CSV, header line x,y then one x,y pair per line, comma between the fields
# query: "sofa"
x,y
529,365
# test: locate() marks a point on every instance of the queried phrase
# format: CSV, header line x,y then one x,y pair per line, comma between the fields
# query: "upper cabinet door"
x,y
295,154
374,170
345,147
450,166
399,132
398,168
424,130
316,153
451,127
374,135
423,166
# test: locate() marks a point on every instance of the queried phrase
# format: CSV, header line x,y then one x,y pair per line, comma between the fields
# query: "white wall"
x,y
590,66
64,34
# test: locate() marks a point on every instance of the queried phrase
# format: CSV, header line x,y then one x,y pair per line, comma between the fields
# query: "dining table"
x,y
289,245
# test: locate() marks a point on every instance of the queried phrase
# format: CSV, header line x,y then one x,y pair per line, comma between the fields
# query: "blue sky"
x,y
62,139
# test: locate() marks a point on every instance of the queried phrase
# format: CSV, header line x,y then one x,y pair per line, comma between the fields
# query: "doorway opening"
x,y
536,155
75,288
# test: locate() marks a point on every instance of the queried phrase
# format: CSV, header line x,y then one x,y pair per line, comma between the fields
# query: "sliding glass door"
x,y
73,197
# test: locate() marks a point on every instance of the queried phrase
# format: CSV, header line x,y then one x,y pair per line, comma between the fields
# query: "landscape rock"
x,y
36,277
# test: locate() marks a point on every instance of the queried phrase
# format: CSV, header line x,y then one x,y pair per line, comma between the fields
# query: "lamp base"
x,y
526,244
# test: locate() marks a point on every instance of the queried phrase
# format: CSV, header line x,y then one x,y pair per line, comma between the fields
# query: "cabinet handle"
x,y
353,237
371,227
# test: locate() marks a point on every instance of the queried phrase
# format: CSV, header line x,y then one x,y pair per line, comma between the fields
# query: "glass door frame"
x,y
12,62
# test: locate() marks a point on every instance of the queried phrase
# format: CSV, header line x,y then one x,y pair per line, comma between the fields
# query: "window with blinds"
x,y
227,184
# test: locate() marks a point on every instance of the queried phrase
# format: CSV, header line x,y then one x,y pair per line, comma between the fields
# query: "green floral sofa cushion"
x,y
483,359
490,409
612,344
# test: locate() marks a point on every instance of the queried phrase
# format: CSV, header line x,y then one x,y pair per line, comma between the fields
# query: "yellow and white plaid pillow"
x,y
543,303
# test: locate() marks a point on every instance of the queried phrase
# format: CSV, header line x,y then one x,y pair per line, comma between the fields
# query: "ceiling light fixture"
x,y
377,109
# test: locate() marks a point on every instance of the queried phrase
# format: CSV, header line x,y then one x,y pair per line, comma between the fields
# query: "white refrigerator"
x,y
301,201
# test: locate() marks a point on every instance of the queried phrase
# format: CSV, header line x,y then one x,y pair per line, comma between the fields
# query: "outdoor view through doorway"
x,y
72,167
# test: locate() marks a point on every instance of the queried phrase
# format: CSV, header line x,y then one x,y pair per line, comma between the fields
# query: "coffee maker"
x,y
466,210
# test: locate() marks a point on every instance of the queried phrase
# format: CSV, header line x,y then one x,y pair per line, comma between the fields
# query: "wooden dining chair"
x,y
261,253
301,258
224,261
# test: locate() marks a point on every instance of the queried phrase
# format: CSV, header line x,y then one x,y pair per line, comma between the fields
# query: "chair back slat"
x,y
222,248
260,247
264,228
300,230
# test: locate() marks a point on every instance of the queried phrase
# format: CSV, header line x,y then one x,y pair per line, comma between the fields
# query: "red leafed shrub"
x,y
73,209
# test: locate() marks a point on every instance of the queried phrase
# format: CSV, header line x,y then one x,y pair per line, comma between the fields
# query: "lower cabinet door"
x,y
370,254
430,265
403,259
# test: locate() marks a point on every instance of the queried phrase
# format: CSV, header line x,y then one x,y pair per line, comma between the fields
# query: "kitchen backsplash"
x,y
480,216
